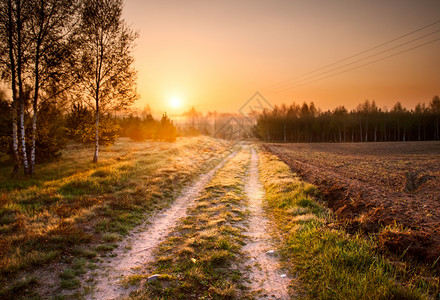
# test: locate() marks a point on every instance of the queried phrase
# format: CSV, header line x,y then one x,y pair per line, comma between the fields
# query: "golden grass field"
x,y
77,209
59,229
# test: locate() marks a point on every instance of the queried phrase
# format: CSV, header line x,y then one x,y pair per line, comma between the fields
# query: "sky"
x,y
214,55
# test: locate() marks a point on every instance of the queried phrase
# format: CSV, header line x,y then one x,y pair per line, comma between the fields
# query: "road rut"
x,y
268,281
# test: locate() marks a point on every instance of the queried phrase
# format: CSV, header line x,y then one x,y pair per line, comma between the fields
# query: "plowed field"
x,y
388,189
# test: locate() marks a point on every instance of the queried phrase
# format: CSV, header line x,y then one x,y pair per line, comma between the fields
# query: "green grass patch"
x,y
111,237
69,279
330,263
105,247
133,280
15,290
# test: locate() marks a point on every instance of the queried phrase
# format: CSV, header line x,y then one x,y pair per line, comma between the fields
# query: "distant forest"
x,y
367,123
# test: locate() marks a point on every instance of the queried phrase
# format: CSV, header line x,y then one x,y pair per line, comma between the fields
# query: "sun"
x,y
175,102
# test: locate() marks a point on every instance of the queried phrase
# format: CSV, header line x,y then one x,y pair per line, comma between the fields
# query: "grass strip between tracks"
x,y
329,263
201,258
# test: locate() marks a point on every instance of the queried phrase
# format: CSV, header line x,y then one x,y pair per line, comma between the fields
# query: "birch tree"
x,y
105,71
8,71
14,27
33,55
51,23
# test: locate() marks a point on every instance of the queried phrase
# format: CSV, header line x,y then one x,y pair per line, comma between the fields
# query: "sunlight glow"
x,y
175,102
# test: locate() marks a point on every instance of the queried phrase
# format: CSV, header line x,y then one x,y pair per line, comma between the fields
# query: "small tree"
x,y
167,131
105,71
50,132
80,126
138,128
77,119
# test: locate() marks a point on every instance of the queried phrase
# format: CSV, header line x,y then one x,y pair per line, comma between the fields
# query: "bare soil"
x,y
388,189
136,251
268,280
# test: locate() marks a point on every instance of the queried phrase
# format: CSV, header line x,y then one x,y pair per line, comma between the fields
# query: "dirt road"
x,y
136,253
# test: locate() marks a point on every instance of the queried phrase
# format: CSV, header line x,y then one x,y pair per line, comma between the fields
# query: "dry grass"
x,y
72,203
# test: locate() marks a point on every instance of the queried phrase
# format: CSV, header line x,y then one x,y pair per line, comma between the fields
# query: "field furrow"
x,y
389,189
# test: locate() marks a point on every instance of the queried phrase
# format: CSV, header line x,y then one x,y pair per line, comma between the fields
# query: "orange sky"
x,y
214,55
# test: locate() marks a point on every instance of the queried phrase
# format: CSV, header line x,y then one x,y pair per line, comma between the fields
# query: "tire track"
x,y
267,281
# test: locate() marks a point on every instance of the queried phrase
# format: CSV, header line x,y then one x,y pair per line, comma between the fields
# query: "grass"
x,y
69,277
330,263
11,291
201,259
75,208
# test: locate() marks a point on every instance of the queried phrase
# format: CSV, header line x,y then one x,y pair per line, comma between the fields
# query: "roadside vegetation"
x,y
77,210
329,262
201,258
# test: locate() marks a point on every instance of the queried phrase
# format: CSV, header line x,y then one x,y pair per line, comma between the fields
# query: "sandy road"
x,y
137,250
267,279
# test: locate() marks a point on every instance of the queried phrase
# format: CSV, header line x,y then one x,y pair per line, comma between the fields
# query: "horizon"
x,y
184,113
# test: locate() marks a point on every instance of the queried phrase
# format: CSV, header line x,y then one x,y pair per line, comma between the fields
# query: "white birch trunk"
x,y
15,138
16,157
95,157
23,139
35,107
20,90
34,136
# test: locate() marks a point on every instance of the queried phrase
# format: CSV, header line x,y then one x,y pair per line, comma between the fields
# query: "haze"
x,y
214,55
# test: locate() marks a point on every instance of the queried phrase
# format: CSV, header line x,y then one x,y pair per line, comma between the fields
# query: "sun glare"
x,y
175,102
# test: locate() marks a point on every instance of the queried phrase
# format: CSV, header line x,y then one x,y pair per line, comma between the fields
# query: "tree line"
x,y
367,123
58,51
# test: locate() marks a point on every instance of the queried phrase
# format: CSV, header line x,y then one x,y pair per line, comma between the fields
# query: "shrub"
x,y
51,132
81,126
167,131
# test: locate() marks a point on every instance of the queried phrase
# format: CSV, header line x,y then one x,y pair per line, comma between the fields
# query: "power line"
x,y
295,83
352,56
365,64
